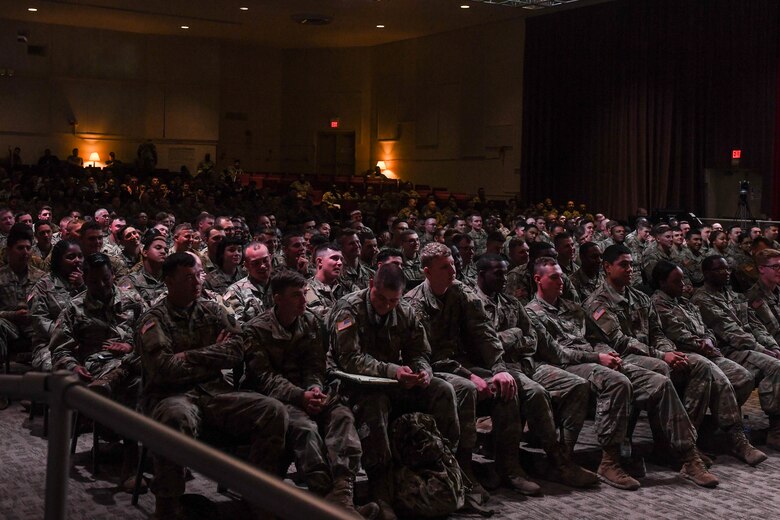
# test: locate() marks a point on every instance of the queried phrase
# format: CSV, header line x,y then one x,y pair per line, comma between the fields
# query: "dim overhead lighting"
x,y
32,9
185,26
465,6
380,26
527,4
244,8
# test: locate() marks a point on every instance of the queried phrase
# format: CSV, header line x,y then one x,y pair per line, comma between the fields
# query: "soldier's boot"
x,y
740,447
463,457
610,472
694,470
380,484
109,383
705,459
773,433
343,495
568,472
168,508
512,474
129,468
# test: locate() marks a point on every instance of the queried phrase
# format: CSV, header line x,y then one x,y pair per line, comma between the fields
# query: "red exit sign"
x,y
736,154
334,123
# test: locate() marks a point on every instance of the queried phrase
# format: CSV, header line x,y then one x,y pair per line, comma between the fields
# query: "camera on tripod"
x,y
744,189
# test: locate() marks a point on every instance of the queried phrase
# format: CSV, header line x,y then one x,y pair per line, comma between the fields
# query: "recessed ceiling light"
x,y
185,26
380,26
244,8
464,6
32,9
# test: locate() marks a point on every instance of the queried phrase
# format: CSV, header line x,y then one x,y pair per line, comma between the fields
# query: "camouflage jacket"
x,y
147,287
727,314
283,363
512,324
654,254
321,298
638,249
627,322
14,291
525,287
219,281
357,277
49,296
86,325
586,286
690,263
362,342
765,306
164,331
682,322
247,299
412,269
460,332
480,241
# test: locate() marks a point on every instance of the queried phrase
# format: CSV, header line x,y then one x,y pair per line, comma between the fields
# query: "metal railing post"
x,y
58,457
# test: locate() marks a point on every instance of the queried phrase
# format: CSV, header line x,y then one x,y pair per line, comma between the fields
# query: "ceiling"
x,y
270,22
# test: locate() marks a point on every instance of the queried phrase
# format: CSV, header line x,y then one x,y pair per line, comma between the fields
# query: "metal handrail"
x,y
64,393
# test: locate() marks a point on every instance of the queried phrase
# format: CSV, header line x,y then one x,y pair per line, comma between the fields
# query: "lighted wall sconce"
x,y
381,165
95,158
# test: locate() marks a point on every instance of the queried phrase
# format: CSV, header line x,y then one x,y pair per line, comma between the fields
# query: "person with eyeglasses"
x,y
742,337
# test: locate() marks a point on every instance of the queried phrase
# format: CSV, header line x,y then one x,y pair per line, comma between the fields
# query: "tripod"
x,y
743,214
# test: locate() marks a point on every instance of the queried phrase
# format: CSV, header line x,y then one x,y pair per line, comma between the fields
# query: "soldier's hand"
x,y
121,348
82,372
483,389
313,401
505,385
423,378
223,336
676,360
610,360
303,264
76,278
406,377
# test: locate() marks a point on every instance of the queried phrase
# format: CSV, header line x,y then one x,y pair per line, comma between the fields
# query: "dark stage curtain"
x,y
626,103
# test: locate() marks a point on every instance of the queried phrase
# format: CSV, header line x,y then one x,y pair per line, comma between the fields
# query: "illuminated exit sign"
x,y
736,154
334,123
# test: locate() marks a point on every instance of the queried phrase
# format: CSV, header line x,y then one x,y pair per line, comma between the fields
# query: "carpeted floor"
x,y
744,492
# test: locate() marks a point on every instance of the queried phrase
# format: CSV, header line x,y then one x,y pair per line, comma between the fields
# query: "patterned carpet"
x,y
744,492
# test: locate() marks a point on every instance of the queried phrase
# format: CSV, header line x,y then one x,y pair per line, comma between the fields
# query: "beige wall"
x,y
444,110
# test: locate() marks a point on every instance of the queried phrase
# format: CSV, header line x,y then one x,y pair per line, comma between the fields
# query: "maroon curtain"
x,y
626,103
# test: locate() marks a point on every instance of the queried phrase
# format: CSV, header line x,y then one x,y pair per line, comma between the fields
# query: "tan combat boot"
x,y
570,473
108,385
740,447
610,472
343,494
694,470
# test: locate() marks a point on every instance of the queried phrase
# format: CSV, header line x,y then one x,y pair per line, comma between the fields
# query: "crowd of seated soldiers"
x,y
178,278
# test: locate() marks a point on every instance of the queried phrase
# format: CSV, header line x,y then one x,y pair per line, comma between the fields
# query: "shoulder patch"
x,y
345,323
757,303
598,313
147,326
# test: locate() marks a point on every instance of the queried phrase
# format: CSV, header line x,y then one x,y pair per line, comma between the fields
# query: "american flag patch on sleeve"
x,y
344,324
599,313
148,325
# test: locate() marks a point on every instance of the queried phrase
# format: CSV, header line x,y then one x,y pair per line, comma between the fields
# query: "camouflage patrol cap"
x,y
150,236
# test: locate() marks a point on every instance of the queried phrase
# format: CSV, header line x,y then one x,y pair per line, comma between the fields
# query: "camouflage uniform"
x,y
321,298
765,305
248,299
283,363
731,383
526,288
48,297
357,277
584,285
690,263
14,295
652,255
514,286
745,274
464,343
480,241
218,280
542,387
744,339
630,325
413,272
362,342
147,287
187,391
638,249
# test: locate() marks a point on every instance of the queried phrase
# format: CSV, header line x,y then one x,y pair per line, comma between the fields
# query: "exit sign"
x,y
736,154
334,123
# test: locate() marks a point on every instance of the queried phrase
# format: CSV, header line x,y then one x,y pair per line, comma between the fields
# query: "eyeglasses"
x,y
774,267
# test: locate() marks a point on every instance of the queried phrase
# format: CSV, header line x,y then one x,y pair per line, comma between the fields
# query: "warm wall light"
x,y
95,158
382,166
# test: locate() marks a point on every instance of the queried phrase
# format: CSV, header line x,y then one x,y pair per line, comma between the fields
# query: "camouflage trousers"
x,y
325,446
654,392
373,410
243,416
12,339
766,373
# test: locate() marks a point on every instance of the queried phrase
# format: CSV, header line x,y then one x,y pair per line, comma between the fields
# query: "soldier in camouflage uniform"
x,y
354,272
477,234
542,387
468,353
183,348
17,279
213,236
325,288
147,282
286,360
638,241
589,276
742,338
626,320
411,267
764,297
251,296
6,222
42,248
692,257
229,270
731,383
373,333
51,294
466,248
659,250
564,246
91,239
526,287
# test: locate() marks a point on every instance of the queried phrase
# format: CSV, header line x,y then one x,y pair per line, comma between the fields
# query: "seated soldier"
x,y
93,337
354,272
410,248
228,271
325,288
764,296
147,282
659,250
589,276
741,337
51,294
731,384
542,387
692,257
183,345
285,360
467,352
373,333
523,288
251,295
293,255
627,321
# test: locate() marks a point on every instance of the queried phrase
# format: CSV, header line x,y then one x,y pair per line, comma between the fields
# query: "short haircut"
x,y
762,257
560,237
281,280
471,217
202,217
661,272
454,220
288,237
733,227
228,241
366,235
537,249
542,262
516,242
614,252
692,232
587,246
96,261
317,240
496,236
321,249
486,260
43,223
660,229
185,226
457,238
709,262
761,241
346,234
768,226
18,233
253,245
92,225
150,236
432,251
389,276
173,262
387,253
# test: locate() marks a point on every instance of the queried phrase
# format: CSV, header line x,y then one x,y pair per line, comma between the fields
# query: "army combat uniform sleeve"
x,y
603,325
483,337
62,344
727,328
416,351
346,344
